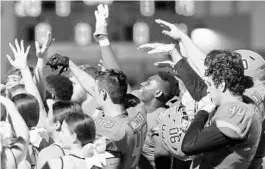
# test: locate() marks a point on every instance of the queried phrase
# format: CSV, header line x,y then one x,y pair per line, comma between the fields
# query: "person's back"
x,y
128,133
245,120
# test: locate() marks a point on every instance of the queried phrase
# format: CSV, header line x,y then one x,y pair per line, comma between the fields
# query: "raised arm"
x,y
41,53
20,62
193,82
195,55
109,58
85,80
20,146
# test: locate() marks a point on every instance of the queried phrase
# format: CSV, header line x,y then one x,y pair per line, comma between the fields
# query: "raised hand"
x,y
41,52
101,14
173,31
158,48
165,64
58,60
101,65
20,55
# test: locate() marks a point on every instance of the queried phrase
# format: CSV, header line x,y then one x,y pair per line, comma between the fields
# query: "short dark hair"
x,y
84,127
169,84
15,71
17,88
28,107
61,86
115,83
61,109
92,71
226,66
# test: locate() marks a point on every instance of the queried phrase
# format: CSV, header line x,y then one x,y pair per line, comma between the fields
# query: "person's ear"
x,y
104,94
222,86
158,94
57,125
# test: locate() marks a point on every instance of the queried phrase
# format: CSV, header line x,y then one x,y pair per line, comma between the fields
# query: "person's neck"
x,y
228,98
113,110
77,150
86,102
152,105
56,137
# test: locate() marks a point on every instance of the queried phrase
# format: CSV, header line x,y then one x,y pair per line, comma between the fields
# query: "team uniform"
x,y
170,125
147,159
236,120
257,94
126,133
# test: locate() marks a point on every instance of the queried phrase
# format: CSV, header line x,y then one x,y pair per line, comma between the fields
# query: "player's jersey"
x,y
257,94
173,124
240,121
148,151
127,132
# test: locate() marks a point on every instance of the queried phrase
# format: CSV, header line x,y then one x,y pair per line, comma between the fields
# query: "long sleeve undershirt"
x,y
200,139
193,82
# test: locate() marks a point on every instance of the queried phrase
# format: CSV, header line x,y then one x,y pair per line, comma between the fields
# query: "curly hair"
x,y
114,82
226,66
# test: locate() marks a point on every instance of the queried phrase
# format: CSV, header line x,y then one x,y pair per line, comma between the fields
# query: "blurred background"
x,y
210,24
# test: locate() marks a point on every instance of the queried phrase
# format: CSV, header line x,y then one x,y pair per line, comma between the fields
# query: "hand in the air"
x,y
165,64
58,60
20,55
101,65
41,52
101,14
158,48
173,31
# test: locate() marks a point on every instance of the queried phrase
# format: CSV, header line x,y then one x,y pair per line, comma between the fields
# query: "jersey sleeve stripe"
x,y
225,125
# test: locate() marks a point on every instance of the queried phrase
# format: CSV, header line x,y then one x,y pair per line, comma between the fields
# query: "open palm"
x,y
20,55
173,31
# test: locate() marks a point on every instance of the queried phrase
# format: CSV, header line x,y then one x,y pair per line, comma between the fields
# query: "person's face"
x,y
98,96
148,89
215,92
79,94
67,137
13,80
50,125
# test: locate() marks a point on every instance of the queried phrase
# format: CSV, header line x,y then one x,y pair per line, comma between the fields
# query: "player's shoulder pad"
x,y
257,92
234,119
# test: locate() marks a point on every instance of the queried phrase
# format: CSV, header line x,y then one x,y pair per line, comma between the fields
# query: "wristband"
x,y
104,42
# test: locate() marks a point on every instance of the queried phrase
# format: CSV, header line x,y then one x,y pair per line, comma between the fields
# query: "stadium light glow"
x,y
63,8
33,7
147,7
140,33
41,32
83,34
19,9
90,2
206,39
185,7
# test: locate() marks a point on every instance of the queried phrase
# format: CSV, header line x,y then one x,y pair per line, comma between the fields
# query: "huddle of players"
x,y
210,122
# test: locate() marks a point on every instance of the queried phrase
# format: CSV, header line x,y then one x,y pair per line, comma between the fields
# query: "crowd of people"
x,y
201,111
